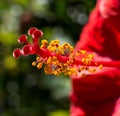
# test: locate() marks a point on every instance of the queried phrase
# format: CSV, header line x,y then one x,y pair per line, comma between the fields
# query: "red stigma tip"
x,y
17,53
31,30
26,50
37,34
22,39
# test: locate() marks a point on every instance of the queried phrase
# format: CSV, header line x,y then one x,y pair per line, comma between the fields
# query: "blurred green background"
x,y
24,90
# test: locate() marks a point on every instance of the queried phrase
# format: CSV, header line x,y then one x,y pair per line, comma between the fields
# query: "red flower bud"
x,y
22,39
31,30
26,50
17,53
37,34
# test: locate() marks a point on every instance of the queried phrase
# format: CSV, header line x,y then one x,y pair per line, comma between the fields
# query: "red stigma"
x,y
37,34
22,39
31,30
26,50
17,53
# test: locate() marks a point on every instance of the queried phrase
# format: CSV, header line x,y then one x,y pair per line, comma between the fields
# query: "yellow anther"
x,y
54,58
42,46
56,73
39,65
83,75
73,71
100,66
92,70
34,63
37,58
83,60
90,56
82,68
83,52
44,42
49,60
79,69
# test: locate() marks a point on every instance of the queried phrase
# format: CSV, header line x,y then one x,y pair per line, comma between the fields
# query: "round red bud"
x,y
37,34
22,39
26,50
31,30
17,53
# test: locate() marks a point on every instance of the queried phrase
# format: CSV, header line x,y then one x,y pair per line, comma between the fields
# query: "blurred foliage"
x,y
24,90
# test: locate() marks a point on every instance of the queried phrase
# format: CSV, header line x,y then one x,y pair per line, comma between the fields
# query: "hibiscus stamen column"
x,y
58,58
